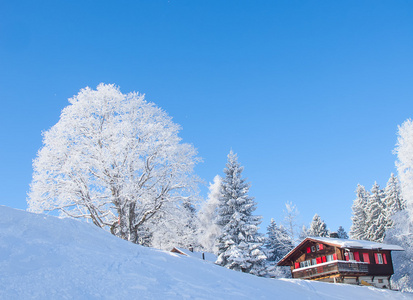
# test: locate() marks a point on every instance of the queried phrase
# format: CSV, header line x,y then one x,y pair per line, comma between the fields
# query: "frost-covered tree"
x,y
404,163
402,232
318,227
304,232
342,234
239,243
278,242
290,220
208,229
114,159
376,215
393,201
359,226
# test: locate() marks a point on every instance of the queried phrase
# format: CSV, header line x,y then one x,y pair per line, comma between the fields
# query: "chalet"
x,y
191,253
342,261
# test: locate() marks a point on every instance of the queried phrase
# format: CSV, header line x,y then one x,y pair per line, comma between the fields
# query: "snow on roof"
x,y
359,244
208,256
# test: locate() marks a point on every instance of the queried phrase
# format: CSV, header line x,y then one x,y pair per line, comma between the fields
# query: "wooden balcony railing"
x,y
337,266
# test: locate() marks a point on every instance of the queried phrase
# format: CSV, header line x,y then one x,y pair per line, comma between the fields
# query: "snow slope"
x,y
43,257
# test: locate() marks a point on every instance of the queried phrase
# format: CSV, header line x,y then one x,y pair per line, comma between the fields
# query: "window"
x,y
317,247
305,263
380,280
313,261
312,249
379,258
351,256
330,258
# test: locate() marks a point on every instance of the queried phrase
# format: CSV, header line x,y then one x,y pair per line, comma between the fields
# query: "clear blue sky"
x,y
308,93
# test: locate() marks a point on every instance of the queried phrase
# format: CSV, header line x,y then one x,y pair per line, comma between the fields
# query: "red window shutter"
x,y
321,246
308,249
366,258
318,260
324,259
356,256
384,258
376,258
297,265
346,256
335,256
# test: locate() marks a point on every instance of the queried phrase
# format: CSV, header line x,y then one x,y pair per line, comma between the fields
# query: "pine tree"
x,y
393,201
318,227
376,215
239,244
342,234
359,227
278,242
290,220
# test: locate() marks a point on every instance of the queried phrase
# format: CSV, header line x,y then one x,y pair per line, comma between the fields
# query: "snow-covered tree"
x,y
402,232
304,232
208,229
318,227
376,215
278,242
393,201
290,220
404,151
359,226
239,243
342,234
114,159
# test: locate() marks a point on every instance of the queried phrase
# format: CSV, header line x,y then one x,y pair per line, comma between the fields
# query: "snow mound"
x,y
43,257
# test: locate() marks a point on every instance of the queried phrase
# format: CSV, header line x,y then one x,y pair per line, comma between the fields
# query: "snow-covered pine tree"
x,y
359,226
393,201
208,229
239,243
342,234
318,227
376,215
278,242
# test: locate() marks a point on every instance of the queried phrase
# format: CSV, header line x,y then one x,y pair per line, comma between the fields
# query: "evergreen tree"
x,y
278,242
239,243
359,227
318,227
393,201
342,234
376,215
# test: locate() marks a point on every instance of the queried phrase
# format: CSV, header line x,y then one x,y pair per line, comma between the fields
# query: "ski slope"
x,y
44,257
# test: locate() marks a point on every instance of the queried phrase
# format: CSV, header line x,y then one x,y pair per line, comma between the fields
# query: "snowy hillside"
x,y
43,257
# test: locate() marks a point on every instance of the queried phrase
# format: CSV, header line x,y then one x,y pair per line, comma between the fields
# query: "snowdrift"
x,y
43,257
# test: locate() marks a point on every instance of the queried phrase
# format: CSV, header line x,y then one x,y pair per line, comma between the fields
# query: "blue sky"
x,y
308,93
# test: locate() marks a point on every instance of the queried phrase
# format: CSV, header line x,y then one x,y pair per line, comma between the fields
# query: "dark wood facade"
x,y
329,261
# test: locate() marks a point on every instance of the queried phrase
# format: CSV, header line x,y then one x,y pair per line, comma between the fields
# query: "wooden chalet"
x,y
342,261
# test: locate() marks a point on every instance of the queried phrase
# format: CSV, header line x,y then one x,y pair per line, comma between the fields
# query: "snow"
x,y
359,244
44,257
199,255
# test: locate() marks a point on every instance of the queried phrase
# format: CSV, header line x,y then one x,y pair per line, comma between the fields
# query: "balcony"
x,y
334,267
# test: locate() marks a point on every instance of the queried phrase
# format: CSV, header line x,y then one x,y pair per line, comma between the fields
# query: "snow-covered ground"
x,y
43,257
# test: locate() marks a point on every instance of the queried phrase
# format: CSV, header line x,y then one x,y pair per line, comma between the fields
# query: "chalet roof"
x,y
342,243
357,244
